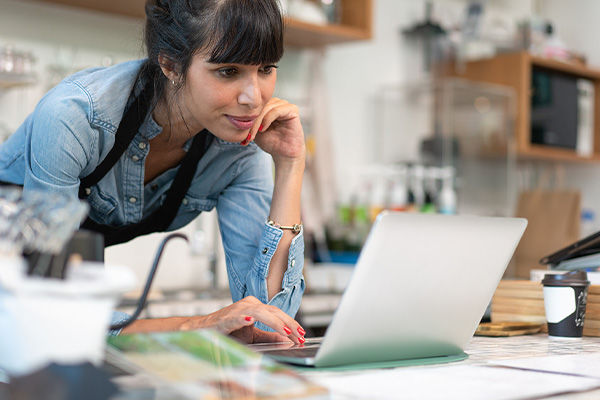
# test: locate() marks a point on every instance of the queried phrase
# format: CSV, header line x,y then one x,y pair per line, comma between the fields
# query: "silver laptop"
x,y
420,287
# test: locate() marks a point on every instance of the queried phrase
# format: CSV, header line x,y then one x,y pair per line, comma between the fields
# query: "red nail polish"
x,y
287,330
248,318
260,128
301,331
249,137
301,340
244,142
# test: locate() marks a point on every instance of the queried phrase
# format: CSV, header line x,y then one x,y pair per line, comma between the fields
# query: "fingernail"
x,y
249,137
244,142
260,128
287,330
248,318
301,340
301,331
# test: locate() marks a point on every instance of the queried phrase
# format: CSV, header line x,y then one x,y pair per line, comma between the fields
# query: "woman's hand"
x,y
278,131
238,320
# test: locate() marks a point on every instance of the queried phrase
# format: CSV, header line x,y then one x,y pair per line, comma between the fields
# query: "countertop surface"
x,y
519,367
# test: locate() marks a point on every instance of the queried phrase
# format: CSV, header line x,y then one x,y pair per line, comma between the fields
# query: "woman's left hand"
x,y
238,320
281,134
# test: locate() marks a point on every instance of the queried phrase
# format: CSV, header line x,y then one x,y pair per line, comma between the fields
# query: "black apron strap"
x,y
181,184
128,127
162,218
10,185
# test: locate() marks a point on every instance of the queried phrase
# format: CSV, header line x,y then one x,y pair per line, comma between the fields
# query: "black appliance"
x,y
554,108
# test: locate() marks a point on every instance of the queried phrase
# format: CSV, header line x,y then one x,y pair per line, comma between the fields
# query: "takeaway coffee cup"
x,y
565,299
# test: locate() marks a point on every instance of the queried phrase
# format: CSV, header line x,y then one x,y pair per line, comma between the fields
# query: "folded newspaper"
x,y
208,365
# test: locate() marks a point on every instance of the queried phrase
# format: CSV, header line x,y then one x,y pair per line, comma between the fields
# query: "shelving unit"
x,y
356,23
515,70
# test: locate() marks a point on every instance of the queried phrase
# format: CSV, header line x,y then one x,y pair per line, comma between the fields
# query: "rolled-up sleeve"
x,y
292,287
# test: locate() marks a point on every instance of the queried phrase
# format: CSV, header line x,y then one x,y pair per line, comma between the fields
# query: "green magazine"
x,y
208,365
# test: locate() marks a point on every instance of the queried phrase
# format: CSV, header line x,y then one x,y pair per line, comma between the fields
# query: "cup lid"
x,y
571,278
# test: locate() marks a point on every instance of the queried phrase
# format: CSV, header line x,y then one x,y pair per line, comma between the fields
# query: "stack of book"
x,y
522,300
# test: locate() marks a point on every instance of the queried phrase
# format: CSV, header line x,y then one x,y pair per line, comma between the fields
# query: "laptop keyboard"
x,y
305,351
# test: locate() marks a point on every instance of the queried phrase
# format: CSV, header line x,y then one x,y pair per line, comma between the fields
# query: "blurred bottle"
x,y
536,35
360,225
399,190
416,193
334,230
447,196
332,10
377,201
430,189
553,45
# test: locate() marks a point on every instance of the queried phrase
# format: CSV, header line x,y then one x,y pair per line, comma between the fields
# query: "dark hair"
x,y
232,31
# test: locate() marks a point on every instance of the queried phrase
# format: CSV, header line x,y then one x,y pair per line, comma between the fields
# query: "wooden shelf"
x,y
356,24
303,34
573,69
550,153
356,21
10,80
515,70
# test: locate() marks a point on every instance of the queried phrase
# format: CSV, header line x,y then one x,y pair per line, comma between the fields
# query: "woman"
x,y
152,143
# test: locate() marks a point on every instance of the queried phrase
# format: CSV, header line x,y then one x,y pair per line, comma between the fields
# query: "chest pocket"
x,y
102,206
189,209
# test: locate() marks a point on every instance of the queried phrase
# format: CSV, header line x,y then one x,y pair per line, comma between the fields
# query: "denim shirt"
x,y
73,128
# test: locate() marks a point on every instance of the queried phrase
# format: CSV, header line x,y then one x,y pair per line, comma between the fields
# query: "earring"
x,y
173,82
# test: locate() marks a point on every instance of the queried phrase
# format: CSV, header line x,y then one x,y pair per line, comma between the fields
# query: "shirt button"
x,y
293,262
154,187
142,145
185,201
132,200
265,250
135,158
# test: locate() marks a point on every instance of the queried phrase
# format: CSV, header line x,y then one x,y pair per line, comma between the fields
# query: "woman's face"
x,y
226,98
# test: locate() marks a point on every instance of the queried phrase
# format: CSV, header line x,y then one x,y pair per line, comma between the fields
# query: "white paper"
x,y
460,382
575,364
